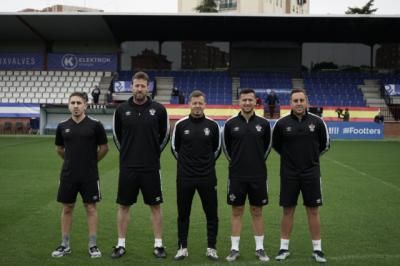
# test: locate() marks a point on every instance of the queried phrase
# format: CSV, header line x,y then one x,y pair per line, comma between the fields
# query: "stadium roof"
x,y
111,27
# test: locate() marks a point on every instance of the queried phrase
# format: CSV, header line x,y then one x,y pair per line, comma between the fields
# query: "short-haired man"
x,y
196,144
300,138
247,143
141,131
81,142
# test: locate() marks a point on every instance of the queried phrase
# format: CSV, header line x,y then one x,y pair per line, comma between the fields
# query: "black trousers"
x,y
207,190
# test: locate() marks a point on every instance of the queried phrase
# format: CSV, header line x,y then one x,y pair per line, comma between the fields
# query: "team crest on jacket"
x,y
288,129
207,131
236,129
186,132
67,130
258,128
311,127
128,113
152,111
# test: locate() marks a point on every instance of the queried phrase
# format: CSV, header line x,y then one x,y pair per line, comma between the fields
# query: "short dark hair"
x,y
247,91
297,90
141,75
80,94
197,93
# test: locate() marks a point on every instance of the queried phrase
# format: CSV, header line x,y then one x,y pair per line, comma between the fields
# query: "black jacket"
x,y
300,144
247,145
196,144
140,134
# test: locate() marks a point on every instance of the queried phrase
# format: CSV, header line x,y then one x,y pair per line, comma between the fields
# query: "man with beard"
x,y
141,131
247,143
196,144
300,138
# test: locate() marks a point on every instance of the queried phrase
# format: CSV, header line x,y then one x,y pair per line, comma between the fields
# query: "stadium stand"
x,y
46,86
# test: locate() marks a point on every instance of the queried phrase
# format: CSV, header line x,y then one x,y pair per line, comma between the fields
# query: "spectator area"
x,y
51,87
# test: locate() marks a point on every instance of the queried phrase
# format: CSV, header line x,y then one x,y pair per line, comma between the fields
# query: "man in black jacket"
x,y
300,138
247,143
141,131
196,144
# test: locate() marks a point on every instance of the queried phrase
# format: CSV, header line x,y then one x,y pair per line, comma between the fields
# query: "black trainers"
x,y
159,252
118,252
282,254
319,256
61,251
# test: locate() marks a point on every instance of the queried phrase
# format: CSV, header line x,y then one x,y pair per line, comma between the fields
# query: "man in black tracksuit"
x,y
300,138
141,131
196,144
247,143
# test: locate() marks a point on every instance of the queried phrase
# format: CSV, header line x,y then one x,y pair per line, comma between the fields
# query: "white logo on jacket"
x,y
206,131
311,127
258,128
186,132
128,113
288,129
236,129
152,111
67,130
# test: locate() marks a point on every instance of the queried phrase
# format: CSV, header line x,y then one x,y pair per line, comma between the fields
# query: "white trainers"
x,y
282,254
181,254
262,256
212,253
61,251
94,252
319,256
233,255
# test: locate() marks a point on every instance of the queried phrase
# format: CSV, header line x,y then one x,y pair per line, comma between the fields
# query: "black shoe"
x,y
159,252
118,252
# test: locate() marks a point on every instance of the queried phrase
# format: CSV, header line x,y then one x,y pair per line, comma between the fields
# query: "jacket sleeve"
x,y
117,129
267,140
226,141
277,138
324,142
163,125
216,141
176,141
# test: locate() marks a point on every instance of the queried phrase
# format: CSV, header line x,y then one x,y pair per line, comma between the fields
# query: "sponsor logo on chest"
x,y
206,131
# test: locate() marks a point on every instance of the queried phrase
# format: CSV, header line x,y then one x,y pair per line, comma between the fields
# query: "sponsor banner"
x,y
393,89
100,62
125,86
268,91
21,61
19,110
355,130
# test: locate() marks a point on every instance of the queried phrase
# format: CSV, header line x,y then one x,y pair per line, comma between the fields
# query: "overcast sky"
x,y
171,6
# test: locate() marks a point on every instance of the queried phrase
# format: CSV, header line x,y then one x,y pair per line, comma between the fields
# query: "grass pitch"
x,y
360,217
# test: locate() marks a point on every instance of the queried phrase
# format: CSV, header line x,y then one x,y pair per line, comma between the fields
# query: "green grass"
x,y
360,217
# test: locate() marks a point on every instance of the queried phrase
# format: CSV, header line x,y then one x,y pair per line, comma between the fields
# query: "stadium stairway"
x,y
164,87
